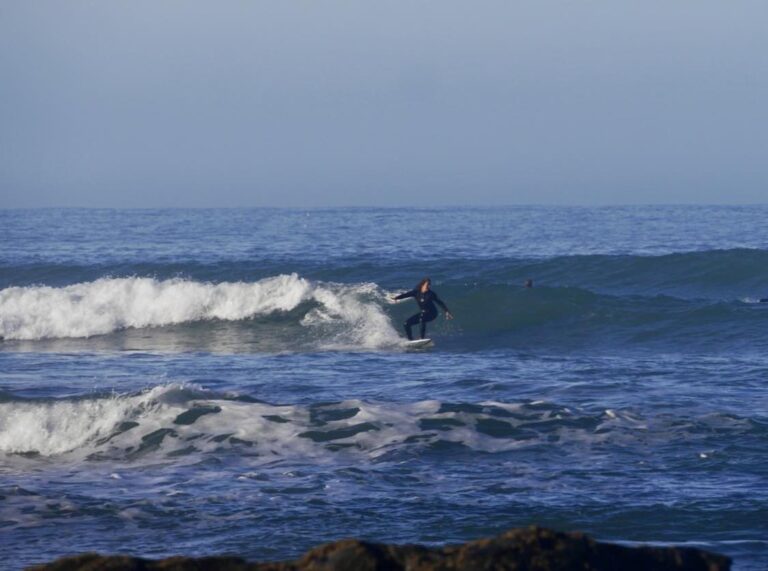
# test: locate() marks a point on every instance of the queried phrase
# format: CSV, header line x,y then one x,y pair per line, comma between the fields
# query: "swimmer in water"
x,y
426,298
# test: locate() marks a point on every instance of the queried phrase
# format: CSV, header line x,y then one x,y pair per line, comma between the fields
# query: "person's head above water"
x,y
424,285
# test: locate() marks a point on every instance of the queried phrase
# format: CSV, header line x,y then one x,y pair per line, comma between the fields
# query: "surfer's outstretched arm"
x,y
411,293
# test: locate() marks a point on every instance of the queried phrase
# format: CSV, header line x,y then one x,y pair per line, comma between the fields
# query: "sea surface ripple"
x,y
237,380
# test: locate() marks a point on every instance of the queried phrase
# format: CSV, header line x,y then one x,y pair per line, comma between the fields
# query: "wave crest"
x,y
113,304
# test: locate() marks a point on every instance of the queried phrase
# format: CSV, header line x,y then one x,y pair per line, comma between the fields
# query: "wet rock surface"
x,y
525,549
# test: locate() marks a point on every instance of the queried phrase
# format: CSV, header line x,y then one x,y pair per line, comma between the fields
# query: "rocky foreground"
x,y
528,549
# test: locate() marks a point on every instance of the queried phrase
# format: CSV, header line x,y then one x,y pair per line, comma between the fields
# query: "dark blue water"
x,y
234,381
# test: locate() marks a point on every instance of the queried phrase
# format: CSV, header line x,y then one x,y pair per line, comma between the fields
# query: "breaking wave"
x,y
293,313
108,305
178,421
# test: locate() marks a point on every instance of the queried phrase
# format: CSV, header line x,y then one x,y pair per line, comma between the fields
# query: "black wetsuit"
x,y
427,310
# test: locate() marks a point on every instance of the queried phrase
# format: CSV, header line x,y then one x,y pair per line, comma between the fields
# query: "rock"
x,y
525,549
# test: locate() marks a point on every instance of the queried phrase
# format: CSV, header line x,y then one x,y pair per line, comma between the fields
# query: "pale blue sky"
x,y
155,103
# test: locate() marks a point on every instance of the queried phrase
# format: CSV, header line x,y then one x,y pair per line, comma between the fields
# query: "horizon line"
x,y
409,207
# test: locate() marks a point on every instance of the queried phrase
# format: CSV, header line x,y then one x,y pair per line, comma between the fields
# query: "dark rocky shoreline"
x,y
524,549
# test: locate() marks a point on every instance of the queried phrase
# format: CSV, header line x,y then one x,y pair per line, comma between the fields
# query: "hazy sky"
x,y
154,103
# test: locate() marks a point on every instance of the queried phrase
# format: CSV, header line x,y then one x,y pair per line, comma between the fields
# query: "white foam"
x,y
149,425
61,426
112,304
354,308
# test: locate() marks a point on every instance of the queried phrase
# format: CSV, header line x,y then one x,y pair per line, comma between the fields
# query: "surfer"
x,y
426,298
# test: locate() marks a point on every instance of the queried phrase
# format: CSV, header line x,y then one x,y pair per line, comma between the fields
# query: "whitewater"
x,y
234,381
111,305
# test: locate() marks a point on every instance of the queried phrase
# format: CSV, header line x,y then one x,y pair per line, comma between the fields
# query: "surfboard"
x,y
418,343
756,302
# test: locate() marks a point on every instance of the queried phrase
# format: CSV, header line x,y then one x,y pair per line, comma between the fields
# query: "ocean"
x,y
235,381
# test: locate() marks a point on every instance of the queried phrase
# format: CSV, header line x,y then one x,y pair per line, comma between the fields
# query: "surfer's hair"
x,y
422,282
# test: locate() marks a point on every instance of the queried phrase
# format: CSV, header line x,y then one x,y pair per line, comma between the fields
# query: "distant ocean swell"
x,y
289,312
183,422
714,274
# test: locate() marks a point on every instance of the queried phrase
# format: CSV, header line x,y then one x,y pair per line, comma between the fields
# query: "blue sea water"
x,y
234,381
